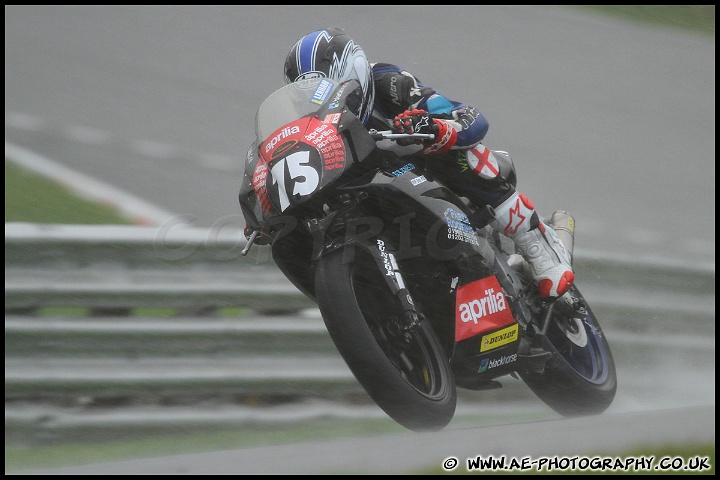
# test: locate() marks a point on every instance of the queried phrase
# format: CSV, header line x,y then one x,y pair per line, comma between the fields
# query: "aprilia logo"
x,y
480,307
284,133
492,302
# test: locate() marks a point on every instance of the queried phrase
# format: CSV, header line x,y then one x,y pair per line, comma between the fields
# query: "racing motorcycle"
x,y
420,295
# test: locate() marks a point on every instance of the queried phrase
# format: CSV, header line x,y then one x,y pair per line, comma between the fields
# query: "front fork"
x,y
386,261
340,230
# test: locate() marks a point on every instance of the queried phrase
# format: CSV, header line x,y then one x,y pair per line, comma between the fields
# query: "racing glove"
x,y
420,121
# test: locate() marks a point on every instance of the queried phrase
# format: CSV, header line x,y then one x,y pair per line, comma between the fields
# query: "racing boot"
x,y
545,253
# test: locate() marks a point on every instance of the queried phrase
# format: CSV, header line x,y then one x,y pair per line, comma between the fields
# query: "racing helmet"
x,y
333,54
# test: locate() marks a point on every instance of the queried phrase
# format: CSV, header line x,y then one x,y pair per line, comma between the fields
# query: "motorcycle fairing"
x,y
436,213
480,307
486,332
299,159
488,355
499,338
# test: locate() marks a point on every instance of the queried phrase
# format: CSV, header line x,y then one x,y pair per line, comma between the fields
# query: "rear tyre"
x,y
406,372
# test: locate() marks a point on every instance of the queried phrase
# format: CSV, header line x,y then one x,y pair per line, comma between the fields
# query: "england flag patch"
x,y
482,161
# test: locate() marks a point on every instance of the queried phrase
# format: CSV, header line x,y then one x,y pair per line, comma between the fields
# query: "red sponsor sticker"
x,y
259,181
326,139
332,118
480,306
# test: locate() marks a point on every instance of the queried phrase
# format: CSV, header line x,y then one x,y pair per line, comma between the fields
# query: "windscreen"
x,y
291,102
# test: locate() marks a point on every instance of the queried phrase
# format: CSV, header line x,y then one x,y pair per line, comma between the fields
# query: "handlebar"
x,y
388,135
250,242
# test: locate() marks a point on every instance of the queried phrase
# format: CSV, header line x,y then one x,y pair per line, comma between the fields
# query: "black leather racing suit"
x,y
460,167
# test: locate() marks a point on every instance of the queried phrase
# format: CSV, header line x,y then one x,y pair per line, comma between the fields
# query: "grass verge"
x,y
33,198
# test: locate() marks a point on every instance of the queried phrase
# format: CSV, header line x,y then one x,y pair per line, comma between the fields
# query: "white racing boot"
x,y
538,243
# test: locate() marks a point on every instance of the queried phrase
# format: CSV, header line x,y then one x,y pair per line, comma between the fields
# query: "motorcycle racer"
x,y
396,99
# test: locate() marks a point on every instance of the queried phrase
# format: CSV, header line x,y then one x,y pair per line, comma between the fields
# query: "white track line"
x,y
139,211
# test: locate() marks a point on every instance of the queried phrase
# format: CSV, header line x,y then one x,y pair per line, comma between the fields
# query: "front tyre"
x,y
580,378
406,372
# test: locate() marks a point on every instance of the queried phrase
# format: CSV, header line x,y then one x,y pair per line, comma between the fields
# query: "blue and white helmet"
x,y
332,53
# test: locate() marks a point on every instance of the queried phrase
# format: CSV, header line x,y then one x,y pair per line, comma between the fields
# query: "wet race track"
x,y
610,120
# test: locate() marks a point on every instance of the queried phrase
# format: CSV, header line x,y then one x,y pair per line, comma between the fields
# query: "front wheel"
x,y
580,377
404,370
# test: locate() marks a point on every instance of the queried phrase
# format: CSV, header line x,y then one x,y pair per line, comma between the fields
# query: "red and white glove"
x,y
419,121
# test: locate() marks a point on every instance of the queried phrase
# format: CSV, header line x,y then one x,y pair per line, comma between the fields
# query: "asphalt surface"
x,y
610,120
556,440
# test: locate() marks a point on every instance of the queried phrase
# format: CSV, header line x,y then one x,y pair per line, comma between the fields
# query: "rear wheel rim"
x,y
576,338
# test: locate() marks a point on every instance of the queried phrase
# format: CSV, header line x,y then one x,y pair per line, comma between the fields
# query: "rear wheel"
x,y
580,378
403,368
